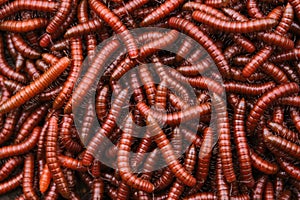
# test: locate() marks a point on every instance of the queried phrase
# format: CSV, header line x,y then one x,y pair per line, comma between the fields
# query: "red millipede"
x,y
200,196
235,14
5,69
189,164
291,100
41,65
231,51
65,135
158,44
35,87
45,179
20,62
269,191
290,73
263,165
106,128
276,40
50,58
87,123
278,115
102,102
129,7
98,189
242,147
253,9
284,132
166,178
114,22
218,3
91,43
184,49
236,74
19,5
246,89
22,47
286,22
234,27
77,59
31,70
278,186
204,156
82,11
204,8
33,120
123,160
293,54
49,95
95,169
52,157
148,83
27,184
8,127
160,12
11,184
275,72
90,75
222,187
244,42
84,28
257,60
23,147
194,32
71,163
282,144
123,191
161,96
60,45
196,69
61,14
23,26
52,192
176,117
11,48
265,100
224,139
289,168
296,6
295,115
259,187
9,166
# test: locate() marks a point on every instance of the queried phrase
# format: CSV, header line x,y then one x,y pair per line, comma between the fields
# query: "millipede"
x,y
98,97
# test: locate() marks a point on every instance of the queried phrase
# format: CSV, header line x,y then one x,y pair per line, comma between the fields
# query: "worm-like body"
x,y
35,87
